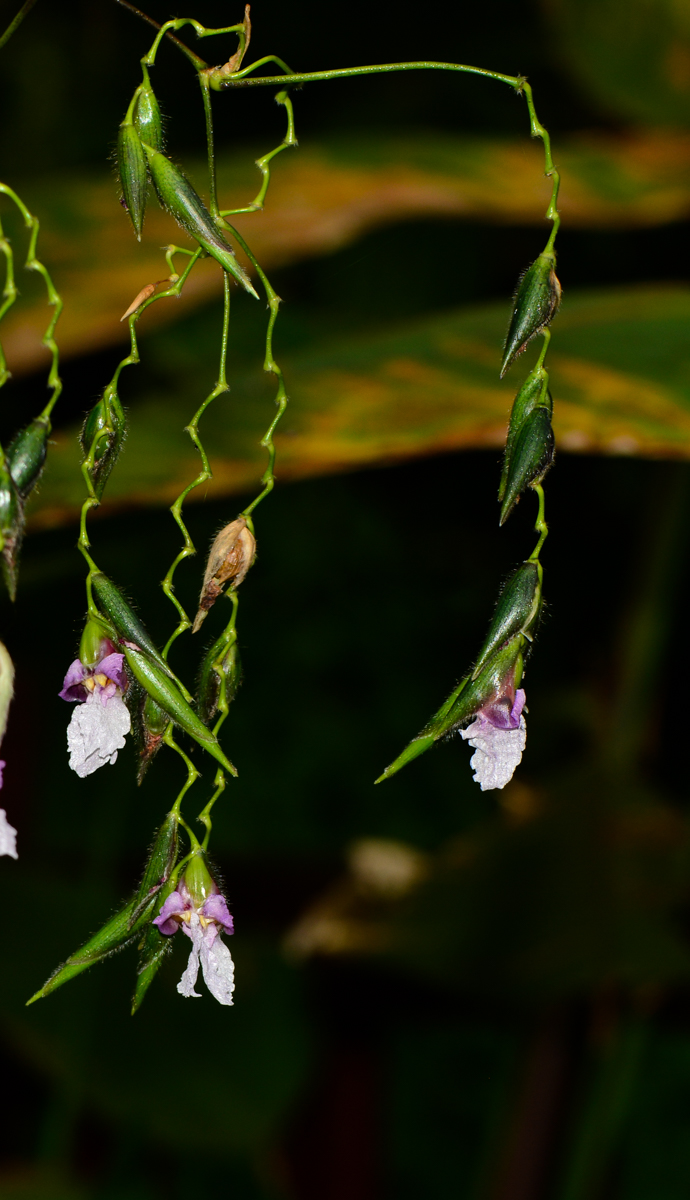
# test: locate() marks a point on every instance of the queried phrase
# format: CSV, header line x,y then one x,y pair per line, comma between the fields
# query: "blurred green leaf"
x,y
633,58
621,385
321,199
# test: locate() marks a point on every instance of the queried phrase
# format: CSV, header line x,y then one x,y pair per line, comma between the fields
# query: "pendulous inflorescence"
x,y
121,682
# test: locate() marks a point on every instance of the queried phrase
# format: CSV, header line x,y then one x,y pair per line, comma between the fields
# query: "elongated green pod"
x,y
179,198
134,177
469,696
125,620
147,117
11,527
221,664
516,611
533,391
104,430
536,302
161,860
26,455
153,948
161,688
115,934
530,460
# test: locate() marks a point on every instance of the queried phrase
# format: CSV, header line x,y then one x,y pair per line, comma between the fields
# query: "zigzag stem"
x,y
10,292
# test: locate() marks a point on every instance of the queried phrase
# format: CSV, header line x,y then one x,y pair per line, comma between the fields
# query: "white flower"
x,y
8,836
216,962
96,732
497,751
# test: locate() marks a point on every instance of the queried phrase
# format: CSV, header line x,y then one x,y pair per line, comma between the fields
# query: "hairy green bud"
x,y
11,527
531,458
536,302
179,198
102,437
134,179
26,455
534,391
516,611
167,695
221,666
149,722
147,117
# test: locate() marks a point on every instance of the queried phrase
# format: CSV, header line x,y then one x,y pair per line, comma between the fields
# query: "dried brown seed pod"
x,y
230,557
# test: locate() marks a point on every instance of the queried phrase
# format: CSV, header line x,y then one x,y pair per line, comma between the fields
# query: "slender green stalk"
x,y
14,25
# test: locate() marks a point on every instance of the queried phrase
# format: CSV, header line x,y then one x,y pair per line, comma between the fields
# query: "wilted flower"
x,y
203,917
8,835
498,735
100,724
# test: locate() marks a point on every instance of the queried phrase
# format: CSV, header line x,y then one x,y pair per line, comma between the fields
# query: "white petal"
x,y
497,752
218,968
96,732
8,836
189,976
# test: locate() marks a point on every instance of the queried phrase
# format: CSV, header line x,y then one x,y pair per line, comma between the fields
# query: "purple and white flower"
x,y
203,924
498,735
101,721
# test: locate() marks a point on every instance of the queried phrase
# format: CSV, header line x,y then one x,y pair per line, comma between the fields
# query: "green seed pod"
x,y
103,432
115,934
179,198
464,702
11,527
134,178
536,302
530,460
147,117
221,664
153,948
161,688
26,455
125,620
529,395
161,861
516,611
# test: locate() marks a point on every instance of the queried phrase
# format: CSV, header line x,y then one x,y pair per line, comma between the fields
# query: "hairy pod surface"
x,y
161,861
221,665
104,431
124,619
516,611
536,302
134,177
167,695
147,118
149,723
527,398
11,528
26,455
531,458
230,557
179,198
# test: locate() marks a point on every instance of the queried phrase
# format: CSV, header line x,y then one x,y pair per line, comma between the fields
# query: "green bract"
x,y
102,436
221,665
147,117
536,301
131,163
517,611
26,455
531,458
11,527
534,391
177,195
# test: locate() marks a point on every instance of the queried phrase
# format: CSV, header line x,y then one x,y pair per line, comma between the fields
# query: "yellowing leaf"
x,y
621,385
321,198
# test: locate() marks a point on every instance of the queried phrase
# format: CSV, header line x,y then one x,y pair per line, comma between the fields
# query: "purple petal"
x,y
72,688
174,906
518,706
112,666
215,909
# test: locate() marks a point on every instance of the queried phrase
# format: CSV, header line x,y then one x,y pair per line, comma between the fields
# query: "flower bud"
x,y
533,392
530,460
26,455
6,687
516,611
179,198
124,619
536,302
104,431
147,117
134,178
198,880
229,559
167,695
91,648
11,527
221,665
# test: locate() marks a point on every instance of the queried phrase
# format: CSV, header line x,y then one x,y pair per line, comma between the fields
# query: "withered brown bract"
x,y
229,559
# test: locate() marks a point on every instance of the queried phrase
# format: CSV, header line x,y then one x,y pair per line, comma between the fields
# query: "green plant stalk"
x,y
14,25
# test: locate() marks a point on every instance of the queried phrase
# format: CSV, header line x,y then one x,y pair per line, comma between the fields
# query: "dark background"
x,y
525,1034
